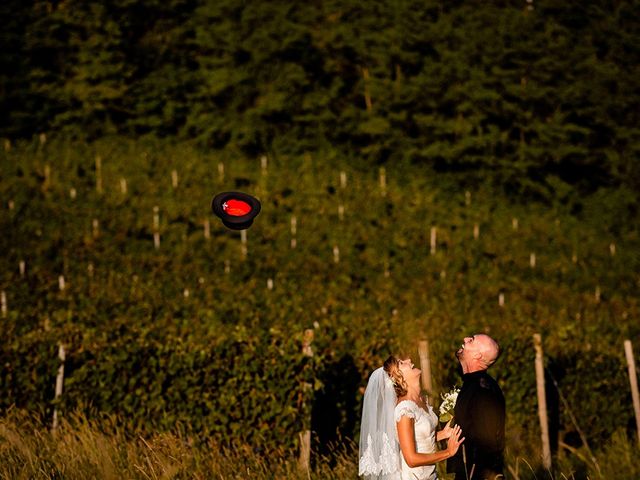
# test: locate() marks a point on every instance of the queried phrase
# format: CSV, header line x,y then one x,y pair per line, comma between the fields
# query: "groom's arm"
x,y
489,422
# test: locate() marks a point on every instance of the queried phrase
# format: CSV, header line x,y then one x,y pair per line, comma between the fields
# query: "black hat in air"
x,y
236,209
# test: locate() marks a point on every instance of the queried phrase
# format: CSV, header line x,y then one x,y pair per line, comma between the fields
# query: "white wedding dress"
x,y
425,424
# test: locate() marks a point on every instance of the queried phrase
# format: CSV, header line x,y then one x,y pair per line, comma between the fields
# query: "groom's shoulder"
x,y
487,382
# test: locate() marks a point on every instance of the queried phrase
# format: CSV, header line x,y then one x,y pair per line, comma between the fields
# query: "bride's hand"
x,y
454,441
446,431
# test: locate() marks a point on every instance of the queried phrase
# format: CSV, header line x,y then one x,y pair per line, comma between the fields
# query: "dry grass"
x,y
82,449
100,449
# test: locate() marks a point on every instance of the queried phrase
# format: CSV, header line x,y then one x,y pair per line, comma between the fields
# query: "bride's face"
x,y
408,370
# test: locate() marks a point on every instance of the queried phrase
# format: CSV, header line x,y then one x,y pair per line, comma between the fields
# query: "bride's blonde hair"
x,y
391,366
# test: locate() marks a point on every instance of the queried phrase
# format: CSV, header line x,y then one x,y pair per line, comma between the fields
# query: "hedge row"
x,y
256,387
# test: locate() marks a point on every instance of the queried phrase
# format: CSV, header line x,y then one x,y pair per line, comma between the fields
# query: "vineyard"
x,y
172,323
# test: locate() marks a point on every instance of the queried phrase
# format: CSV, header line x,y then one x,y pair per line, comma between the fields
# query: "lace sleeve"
x,y
405,409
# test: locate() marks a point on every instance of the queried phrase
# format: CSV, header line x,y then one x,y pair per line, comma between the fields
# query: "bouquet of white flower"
x,y
448,404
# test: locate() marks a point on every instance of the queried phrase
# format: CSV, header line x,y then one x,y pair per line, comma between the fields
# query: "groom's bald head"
x,y
478,352
489,348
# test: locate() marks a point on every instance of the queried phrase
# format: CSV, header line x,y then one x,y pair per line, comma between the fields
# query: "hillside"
x,y
206,332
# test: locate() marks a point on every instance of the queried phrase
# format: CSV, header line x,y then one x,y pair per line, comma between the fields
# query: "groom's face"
x,y
467,348
478,349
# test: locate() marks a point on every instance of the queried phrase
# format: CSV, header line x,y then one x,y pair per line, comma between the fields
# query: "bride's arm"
x,y
408,445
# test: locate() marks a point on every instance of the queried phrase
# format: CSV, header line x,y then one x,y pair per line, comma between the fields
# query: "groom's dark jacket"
x,y
480,412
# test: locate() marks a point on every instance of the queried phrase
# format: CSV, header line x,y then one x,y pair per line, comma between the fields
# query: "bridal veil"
x,y
379,457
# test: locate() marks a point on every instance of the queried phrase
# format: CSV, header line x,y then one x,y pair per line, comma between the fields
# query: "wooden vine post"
x,y
542,402
425,365
47,177
294,229
59,384
243,244
633,380
156,227
305,436
263,164
433,240
98,174
174,179
95,228
367,93
383,181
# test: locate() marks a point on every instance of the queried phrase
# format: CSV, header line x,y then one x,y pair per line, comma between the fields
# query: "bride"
x,y
398,430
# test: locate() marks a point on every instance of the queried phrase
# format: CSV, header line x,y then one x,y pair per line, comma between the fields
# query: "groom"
x,y
480,412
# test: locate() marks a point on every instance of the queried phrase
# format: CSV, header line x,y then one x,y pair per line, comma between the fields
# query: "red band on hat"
x,y
236,208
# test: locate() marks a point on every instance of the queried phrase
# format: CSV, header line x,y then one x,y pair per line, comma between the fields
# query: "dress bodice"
x,y
425,424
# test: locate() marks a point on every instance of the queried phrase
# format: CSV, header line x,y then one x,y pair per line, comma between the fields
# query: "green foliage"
x,y
190,336
538,96
249,388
